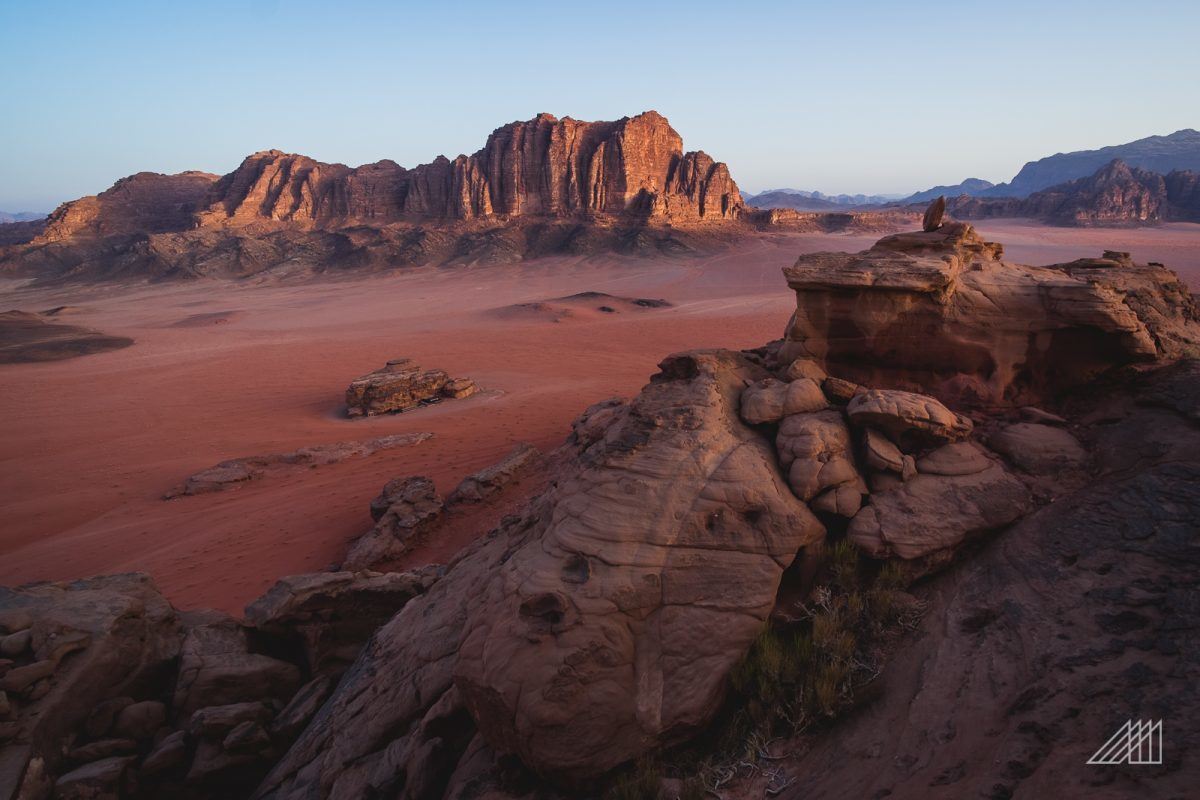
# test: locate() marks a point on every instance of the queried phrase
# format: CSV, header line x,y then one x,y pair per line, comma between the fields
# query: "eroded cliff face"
x,y
544,166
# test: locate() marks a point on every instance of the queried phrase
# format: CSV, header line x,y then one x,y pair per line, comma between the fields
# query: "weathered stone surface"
x,y
880,453
415,508
215,722
909,419
958,458
933,513
1005,333
770,400
97,639
490,481
15,644
805,368
332,614
216,667
840,391
1038,449
301,709
167,755
103,748
577,603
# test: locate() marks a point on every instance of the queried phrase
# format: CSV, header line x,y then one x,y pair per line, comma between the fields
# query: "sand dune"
x,y
88,446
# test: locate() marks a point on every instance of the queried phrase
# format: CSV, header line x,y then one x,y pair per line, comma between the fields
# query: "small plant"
x,y
643,781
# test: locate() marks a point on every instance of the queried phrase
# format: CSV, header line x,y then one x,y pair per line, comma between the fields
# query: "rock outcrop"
x,y
628,589
143,203
239,471
402,385
940,312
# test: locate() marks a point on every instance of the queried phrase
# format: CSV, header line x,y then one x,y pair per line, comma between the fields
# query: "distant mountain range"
x,y
814,201
1117,194
19,216
1161,154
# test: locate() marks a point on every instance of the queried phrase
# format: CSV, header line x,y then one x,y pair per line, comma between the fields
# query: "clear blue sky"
x,y
841,97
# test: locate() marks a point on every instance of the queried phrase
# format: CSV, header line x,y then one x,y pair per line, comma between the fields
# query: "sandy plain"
x,y
225,369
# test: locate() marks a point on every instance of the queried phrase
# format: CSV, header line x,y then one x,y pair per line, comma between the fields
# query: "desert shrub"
x,y
642,781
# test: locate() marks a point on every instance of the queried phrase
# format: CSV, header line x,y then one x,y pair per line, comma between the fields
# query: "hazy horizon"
x,y
838,100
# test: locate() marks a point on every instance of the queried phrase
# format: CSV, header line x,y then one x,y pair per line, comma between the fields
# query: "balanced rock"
x,y
910,419
933,215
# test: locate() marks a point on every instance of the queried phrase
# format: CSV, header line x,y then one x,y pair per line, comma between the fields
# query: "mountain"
x,y
971,186
9,217
544,167
812,201
1162,154
1115,195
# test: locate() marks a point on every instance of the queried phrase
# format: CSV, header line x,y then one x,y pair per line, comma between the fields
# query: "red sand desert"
x,y
227,369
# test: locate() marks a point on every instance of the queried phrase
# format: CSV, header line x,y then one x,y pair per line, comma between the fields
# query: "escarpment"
x,y
606,620
536,188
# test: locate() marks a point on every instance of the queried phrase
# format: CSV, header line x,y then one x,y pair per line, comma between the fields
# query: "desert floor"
x,y
221,369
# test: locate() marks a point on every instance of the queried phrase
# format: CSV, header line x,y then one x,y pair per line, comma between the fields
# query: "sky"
x,y
869,96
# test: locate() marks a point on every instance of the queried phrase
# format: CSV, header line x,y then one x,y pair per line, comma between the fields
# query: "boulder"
x,y
881,454
816,451
1038,449
933,215
490,481
100,780
215,722
839,391
415,508
402,385
140,720
932,514
958,458
167,755
770,400
805,368
909,419
15,644
576,603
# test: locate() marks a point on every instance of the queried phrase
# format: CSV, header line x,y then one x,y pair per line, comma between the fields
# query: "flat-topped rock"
x,y
941,312
401,385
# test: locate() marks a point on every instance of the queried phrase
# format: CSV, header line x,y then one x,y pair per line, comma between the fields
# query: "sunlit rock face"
x,y
941,312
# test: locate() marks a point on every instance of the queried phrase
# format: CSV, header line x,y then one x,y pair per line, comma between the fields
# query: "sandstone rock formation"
x,y
490,481
143,203
238,471
579,604
1005,333
933,215
406,510
402,385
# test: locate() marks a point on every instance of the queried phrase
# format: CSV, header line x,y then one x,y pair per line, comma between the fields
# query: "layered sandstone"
x,y
941,311
544,166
